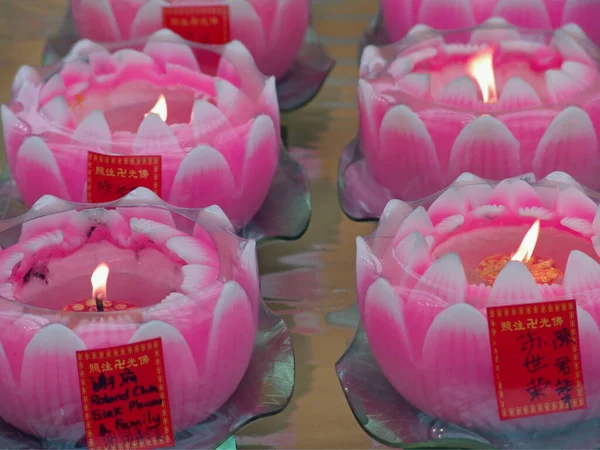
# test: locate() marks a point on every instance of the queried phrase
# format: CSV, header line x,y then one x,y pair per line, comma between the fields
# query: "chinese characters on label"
x,y
124,397
202,24
113,177
536,359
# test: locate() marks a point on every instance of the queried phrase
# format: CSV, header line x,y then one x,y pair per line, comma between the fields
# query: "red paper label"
x,y
536,358
124,396
202,24
113,177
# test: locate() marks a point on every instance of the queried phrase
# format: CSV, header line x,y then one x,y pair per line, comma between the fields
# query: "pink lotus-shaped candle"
x,y
273,30
499,103
216,134
399,16
426,276
181,275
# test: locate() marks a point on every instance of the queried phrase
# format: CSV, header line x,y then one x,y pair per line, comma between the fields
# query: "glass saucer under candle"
x,y
423,304
190,281
494,100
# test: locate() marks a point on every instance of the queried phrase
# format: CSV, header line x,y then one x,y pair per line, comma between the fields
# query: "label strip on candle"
x,y
202,24
536,359
124,396
113,177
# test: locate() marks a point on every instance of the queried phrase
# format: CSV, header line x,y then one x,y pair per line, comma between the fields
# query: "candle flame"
x,y
525,251
481,67
160,109
99,278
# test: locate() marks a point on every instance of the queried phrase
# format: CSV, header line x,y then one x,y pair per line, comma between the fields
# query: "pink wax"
x,y
423,305
424,119
219,141
192,283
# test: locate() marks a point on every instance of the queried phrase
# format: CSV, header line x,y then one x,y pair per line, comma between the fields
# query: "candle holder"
x,y
181,275
495,101
421,371
101,123
277,33
395,18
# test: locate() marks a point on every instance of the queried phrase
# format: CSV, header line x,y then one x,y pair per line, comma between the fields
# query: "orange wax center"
x,y
544,271
90,306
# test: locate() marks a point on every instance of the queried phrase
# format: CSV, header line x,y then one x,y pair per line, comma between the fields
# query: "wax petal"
x,y
398,17
102,333
418,220
400,67
459,330
406,151
266,11
175,53
446,15
148,19
395,212
582,13
241,59
387,331
8,261
25,74
518,94
476,189
229,353
371,61
50,384
270,103
514,285
51,88
197,277
515,194
582,279
416,84
570,145
57,112
203,179
449,203
196,80
589,339
368,268
260,162
372,109
36,162
444,280
584,73
246,27
488,211
208,121
561,86
107,224
482,9
461,92
132,61
487,148
145,230
152,214
286,35
82,49
528,127
15,132
444,127
181,373
97,19
248,277
529,14
450,224
8,387
193,251
155,137
407,261
569,48
494,34
235,104
94,132
580,226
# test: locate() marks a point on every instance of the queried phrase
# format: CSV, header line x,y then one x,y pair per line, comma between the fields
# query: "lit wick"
x,y
160,109
481,68
99,278
544,271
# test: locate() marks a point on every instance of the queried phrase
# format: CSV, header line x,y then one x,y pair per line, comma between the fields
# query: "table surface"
x,y
309,282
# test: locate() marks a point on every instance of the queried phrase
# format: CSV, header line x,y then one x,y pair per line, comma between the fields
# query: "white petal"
x,y
445,279
518,94
155,137
94,131
514,285
460,92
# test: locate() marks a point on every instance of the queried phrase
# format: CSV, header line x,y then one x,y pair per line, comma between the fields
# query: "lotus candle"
x,y
273,30
103,124
192,283
423,299
500,103
399,16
